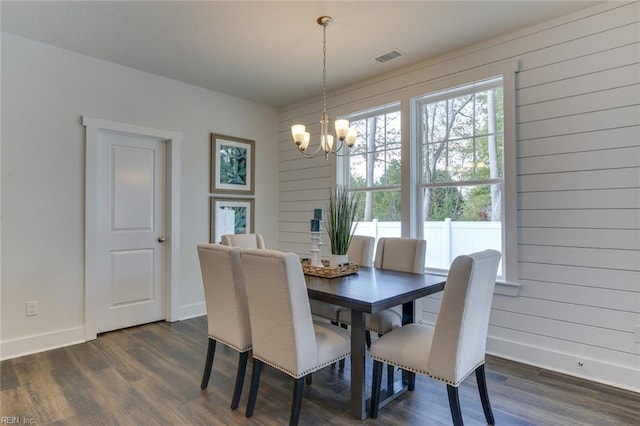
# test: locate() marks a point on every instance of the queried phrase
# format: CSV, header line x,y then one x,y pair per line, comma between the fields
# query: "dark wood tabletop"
x,y
369,291
372,290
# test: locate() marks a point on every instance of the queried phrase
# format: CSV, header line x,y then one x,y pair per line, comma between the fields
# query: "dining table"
x,y
368,291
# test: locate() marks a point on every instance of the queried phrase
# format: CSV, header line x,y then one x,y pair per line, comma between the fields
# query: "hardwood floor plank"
x,y
150,375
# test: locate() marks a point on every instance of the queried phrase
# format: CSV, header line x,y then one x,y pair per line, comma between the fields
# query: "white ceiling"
x,y
268,51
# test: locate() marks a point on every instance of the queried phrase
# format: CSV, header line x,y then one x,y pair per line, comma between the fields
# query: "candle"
x,y
317,214
315,225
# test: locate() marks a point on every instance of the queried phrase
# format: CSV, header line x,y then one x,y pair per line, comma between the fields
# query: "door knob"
x,y
161,239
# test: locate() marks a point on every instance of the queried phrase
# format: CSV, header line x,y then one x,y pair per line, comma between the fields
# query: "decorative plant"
x,y
341,214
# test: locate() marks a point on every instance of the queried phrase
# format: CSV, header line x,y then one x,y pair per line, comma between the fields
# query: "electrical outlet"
x,y
32,308
636,334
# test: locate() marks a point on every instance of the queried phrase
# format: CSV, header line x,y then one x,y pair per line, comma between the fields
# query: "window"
x,y
461,140
373,169
458,180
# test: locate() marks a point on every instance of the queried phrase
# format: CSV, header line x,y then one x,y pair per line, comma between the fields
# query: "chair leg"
x,y
341,362
237,390
296,403
390,379
412,381
484,395
255,382
211,350
376,382
454,405
336,324
309,378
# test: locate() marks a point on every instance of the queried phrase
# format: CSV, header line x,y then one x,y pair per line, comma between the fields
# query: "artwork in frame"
x,y
232,165
230,216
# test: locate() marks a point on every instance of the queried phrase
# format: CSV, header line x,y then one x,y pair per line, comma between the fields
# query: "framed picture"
x,y
232,165
230,216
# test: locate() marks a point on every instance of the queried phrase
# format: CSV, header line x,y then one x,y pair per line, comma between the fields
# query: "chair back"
x,y
281,323
254,241
225,295
460,335
361,250
401,254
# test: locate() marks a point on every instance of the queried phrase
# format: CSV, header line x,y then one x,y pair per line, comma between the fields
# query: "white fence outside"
x,y
445,240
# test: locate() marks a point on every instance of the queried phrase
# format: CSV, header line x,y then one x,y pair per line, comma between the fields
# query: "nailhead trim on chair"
x,y
237,348
426,373
304,373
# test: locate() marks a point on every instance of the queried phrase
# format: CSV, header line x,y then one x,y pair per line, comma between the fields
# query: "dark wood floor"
x,y
150,375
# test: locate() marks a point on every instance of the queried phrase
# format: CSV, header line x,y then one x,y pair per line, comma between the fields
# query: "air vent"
x,y
392,54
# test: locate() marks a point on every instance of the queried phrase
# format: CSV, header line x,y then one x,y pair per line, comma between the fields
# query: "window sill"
x,y
507,289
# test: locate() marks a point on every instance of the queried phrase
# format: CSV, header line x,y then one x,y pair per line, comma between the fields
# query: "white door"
x,y
131,182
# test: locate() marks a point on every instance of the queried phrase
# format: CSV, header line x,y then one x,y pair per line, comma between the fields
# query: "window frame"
x,y
407,98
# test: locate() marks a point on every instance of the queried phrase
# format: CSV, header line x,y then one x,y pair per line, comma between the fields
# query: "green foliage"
x,y
233,165
341,214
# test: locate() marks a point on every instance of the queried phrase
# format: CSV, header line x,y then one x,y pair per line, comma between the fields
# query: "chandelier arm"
x,y
313,154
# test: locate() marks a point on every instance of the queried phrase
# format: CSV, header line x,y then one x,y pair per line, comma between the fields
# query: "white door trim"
x,y
93,127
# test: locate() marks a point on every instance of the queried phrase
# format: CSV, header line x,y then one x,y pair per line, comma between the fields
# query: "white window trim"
x,y
408,99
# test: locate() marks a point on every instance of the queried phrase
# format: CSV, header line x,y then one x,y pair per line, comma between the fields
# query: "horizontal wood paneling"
x,y
578,218
620,239
578,351
578,179
628,260
585,122
613,77
590,160
627,198
578,294
591,179
584,103
595,140
614,340
582,276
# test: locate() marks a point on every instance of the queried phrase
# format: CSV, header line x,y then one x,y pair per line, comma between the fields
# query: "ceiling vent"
x,y
392,54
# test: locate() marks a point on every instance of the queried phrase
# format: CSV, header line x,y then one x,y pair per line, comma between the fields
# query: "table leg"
x,y
358,364
408,314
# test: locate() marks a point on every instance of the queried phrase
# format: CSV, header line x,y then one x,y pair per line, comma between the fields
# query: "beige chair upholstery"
x,y
284,334
456,346
227,309
254,241
361,250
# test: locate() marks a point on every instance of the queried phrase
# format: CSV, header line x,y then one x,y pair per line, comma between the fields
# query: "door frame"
x,y
94,127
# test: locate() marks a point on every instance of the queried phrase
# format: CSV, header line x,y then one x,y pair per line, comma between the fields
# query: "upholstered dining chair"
x,y
284,334
243,240
396,254
455,347
227,308
361,250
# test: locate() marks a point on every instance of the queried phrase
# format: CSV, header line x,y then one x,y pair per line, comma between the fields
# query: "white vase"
x,y
336,260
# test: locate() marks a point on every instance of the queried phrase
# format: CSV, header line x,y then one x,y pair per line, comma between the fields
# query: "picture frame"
x,y
230,216
232,165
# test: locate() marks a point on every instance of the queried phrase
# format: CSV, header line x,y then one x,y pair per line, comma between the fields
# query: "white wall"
x,y
578,184
45,92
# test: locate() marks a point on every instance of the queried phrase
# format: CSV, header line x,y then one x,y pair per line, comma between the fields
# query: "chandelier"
x,y
344,134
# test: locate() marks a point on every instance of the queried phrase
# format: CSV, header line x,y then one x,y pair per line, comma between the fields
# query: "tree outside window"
x,y
462,138
374,169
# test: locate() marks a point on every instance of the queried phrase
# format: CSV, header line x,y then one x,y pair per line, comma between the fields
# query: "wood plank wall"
x,y
578,196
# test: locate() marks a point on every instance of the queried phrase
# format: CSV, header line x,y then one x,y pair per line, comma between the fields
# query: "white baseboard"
x,y
619,376
192,310
41,342
71,336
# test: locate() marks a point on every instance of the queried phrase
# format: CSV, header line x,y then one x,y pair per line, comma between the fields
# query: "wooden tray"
x,y
327,271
